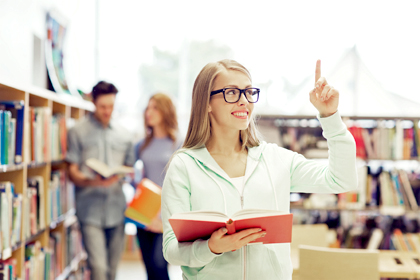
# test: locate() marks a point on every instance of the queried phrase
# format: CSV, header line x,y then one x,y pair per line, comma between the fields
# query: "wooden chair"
x,y
314,235
334,263
311,234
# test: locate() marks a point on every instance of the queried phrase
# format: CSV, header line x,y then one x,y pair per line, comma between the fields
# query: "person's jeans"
x,y
104,247
151,250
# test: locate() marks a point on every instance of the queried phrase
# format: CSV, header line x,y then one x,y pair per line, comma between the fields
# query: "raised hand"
x,y
219,242
324,97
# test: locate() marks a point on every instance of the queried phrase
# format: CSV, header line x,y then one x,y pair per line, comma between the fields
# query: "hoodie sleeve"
x,y
339,174
176,199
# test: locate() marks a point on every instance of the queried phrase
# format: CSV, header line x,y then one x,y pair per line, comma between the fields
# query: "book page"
x,y
103,169
255,213
202,216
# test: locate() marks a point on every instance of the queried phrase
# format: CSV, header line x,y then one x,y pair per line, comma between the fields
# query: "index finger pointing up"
x,y
318,70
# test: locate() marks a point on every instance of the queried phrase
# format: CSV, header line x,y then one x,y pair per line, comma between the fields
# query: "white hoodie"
x,y
194,181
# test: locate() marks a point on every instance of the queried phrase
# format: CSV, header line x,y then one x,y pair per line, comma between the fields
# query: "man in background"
x,y
100,202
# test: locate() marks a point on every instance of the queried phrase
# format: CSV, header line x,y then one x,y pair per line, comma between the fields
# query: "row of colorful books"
x,y
61,195
42,147
390,190
34,216
397,142
46,144
8,269
59,200
74,245
405,241
11,132
10,215
48,263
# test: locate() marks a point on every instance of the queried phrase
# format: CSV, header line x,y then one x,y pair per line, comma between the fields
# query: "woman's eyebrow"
x,y
235,86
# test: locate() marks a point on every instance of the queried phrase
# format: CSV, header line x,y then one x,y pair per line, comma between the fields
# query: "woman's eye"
x,y
231,92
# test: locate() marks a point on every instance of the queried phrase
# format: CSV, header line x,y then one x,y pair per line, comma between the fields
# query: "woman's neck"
x,y
224,143
159,132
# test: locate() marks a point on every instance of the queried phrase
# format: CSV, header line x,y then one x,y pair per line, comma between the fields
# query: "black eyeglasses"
x,y
232,95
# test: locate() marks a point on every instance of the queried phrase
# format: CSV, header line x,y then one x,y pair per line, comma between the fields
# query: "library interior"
x,y
53,53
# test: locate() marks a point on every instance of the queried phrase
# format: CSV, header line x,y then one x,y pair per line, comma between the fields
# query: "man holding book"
x,y
100,201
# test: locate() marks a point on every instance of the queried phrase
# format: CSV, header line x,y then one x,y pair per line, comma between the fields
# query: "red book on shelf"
x,y
194,225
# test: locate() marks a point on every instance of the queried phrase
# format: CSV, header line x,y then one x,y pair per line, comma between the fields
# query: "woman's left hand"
x,y
324,97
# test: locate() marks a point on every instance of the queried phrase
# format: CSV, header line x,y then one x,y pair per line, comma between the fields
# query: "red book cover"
x,y
194,225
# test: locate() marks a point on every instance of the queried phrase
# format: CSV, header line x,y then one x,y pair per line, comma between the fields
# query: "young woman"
x,y
155,150
223,166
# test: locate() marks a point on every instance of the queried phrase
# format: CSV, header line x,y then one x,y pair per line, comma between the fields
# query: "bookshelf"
x,y
49,234
383,145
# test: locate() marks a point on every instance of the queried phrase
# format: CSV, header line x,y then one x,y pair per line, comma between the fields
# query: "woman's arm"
x,y
340,174
176,199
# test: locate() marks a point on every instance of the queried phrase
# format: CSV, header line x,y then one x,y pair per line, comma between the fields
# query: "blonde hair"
x,y
199,130
166,107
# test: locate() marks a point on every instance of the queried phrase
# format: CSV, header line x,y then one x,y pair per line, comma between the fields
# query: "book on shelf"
x,y
145,205
8,269
16,108
193,225
105,171
36,183
39,119
58,137
6,209
11,215
375,239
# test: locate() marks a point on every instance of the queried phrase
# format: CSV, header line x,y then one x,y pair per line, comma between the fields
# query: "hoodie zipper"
x,y
242,207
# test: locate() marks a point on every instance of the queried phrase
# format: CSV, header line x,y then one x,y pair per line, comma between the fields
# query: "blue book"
x,y
7,115
17,109
1,138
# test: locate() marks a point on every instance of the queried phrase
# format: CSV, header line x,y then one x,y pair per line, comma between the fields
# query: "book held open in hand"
x,y
106,171
193,225
145,205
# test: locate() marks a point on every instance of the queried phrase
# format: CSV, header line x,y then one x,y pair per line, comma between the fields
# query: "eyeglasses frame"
x,y
241,91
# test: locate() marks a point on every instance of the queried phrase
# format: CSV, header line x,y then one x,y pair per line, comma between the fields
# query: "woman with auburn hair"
x,y
155,150
224,167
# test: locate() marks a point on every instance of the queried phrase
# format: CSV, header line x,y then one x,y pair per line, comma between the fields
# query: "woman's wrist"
x,y
326,115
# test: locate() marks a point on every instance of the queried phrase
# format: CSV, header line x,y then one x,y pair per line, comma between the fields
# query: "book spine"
x,y
230,226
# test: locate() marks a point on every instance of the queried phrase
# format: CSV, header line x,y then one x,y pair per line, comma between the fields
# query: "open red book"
x,y
194,225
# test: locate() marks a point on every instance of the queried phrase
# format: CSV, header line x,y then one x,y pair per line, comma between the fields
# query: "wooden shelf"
x,y
69,218
34,237
10,168
72,267
70,107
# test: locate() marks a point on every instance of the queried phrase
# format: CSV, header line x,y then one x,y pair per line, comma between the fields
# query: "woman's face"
x,y
225,115
153,116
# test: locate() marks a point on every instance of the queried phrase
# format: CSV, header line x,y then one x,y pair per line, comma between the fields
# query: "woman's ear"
x,y
209,109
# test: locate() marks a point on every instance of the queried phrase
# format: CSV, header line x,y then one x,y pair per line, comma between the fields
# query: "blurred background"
x,y
369,49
